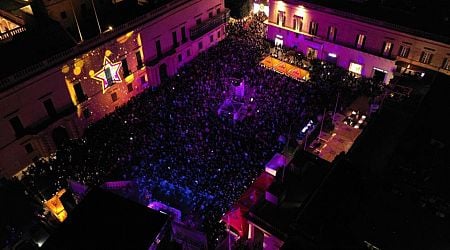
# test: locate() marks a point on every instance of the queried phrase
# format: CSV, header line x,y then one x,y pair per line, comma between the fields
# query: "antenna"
x,y
286,148
96,17
323,119
76,20
335,107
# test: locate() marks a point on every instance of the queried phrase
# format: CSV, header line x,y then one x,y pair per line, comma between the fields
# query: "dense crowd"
x,y
175,146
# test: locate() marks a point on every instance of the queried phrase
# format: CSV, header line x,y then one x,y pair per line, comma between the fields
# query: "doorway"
x,y
379,75
163,72
60,136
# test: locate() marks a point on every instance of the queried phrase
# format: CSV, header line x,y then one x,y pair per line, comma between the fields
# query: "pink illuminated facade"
x,y
45,104
364,46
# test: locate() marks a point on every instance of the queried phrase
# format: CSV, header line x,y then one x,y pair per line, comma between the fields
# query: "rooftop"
x,y
392,186
104,220
32,47
293,192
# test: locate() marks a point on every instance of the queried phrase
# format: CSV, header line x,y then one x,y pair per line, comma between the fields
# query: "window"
x,y
114,96
16,124
210,14
387,48
313,27
109,78
331,58
218,34
279,41
211,38
200,45
311,53
360,41
139,61
281,18
188,52
183,34
29,148
403,51
446,64
79,93
426,57
63,15
158,48
86,113
355,68
180,57
126,71
174,39
198,21
130,87
51,111
332,33
298,23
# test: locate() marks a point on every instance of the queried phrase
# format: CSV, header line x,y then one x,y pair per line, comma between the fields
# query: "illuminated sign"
x,y
109,74
378,69
332,55
355,68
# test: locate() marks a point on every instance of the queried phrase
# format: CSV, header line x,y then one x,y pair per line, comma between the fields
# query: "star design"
x,y
109,71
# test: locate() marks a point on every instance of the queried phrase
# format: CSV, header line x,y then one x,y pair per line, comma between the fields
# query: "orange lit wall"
x,y
56,207
84,68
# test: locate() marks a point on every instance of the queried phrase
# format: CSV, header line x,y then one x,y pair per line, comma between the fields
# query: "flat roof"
x,y
297,188
104,220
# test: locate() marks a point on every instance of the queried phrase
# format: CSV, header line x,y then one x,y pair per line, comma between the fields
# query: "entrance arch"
x,y
379,75
163,72
60,136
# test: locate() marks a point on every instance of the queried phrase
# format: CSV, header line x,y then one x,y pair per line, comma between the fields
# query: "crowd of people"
x,y
175,146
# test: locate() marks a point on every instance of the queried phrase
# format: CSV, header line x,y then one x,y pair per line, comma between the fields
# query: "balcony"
x,y
407,61
8,35
46,122
208,25
322,40
161,56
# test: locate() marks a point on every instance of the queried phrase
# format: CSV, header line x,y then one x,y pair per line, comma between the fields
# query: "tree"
x,y
239,8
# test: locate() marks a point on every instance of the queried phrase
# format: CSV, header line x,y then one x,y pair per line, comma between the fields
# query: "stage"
x,y
285,68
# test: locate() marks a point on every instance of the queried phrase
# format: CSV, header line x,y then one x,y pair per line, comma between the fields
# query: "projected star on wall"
x,y
109,74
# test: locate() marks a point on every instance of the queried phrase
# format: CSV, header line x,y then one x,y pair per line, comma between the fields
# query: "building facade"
x,y
365,46
45,104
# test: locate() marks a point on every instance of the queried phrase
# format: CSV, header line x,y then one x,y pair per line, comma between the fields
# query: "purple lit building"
x,y
363,45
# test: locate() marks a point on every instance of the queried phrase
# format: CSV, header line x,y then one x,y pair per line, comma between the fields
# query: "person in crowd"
x,y
176,147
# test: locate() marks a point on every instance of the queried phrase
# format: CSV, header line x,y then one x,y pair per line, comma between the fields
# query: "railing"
x,y
44,123
208,25
9,34
272,229
378,23
423,65
17,20
89,44
161,56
